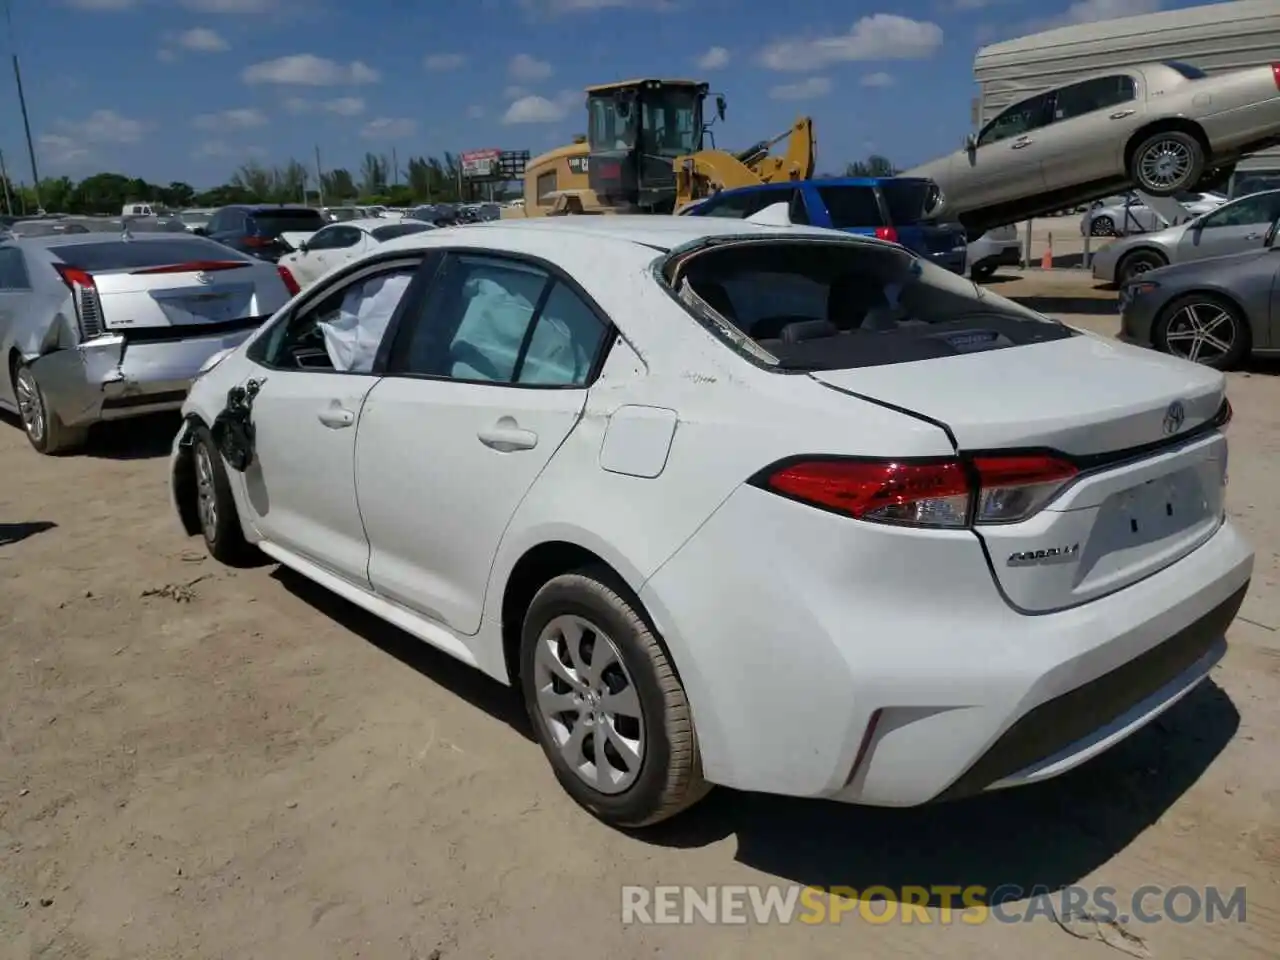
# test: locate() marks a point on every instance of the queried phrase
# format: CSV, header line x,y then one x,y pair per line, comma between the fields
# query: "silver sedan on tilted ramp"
x,y
1235,227
102,326
1215,311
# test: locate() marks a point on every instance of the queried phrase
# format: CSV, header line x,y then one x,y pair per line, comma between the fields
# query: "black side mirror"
x,y
303,247
971,142
201,231
720,105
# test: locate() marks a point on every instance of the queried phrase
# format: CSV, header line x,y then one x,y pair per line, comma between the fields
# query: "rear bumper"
x,y
818,666
111,378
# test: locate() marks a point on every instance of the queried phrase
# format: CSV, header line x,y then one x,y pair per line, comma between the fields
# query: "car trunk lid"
x,y
180,295
1139,429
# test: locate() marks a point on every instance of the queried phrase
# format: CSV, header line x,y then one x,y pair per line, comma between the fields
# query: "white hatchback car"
x,y
776,508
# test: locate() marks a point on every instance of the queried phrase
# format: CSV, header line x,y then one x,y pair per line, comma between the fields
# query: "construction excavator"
x,y
644,153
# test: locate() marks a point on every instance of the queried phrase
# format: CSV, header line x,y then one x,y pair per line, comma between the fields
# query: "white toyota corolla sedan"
x,y
770,507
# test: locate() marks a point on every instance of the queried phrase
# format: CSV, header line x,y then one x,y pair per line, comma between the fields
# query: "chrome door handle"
x,y
506,437
1020,143
336,417
1121,114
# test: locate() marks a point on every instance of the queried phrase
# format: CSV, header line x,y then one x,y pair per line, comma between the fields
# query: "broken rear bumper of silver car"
x,y
112,377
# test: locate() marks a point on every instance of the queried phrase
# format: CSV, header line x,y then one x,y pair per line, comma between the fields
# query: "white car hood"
x,y
1081,395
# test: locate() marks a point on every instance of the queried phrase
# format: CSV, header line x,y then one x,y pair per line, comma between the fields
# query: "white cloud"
x,y
306,69
807,89
1091,11
877,79
389,128
231,6
238,119
475,112
345,106
60,150
515,92
441,62
107,126
881,36
713,59
220,148
105,6
529,69
204,40
535,109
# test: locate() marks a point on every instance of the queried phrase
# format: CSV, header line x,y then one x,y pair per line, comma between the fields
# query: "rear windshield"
x,y
383,234
831,306
909,201
272,223
135,254
852,207
1187,70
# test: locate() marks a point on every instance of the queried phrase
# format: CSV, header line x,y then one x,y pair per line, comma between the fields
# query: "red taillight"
x,y
290,283
195,266
74,277
84,295
934,493
887,233
1275,74
252,241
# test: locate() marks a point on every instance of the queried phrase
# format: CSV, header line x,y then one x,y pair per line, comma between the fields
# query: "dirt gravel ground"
x,y
206,763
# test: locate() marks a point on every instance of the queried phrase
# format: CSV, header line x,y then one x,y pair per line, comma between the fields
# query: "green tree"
x,y
874,166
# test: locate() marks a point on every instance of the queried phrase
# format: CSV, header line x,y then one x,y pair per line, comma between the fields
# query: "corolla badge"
x,y
1174,417
1026,558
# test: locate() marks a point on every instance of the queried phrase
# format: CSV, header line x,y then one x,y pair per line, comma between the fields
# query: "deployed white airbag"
x,y
352,338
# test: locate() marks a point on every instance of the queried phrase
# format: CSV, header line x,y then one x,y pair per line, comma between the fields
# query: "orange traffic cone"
x,y
1046,261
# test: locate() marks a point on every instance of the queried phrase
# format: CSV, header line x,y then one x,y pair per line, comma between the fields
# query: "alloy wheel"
x,y
30,405
589,704
206,494
1102,227
1164,164
1201,332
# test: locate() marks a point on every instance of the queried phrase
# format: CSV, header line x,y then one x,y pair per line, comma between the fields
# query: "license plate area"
x,y
1159,508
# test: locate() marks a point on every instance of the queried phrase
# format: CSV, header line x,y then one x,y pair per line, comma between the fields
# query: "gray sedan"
x,y
1215,311
1234,227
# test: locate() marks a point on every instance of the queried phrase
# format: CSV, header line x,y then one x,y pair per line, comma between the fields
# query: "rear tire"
x,y
589,663
1137,263
1102,227
1166,163
215,504
1205,329
45,430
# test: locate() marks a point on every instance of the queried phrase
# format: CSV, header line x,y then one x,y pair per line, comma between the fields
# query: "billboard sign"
x,y
480,163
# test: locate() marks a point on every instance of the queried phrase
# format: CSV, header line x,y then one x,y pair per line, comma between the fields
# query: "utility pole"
x,y
395,168
26,126
319,176
4,177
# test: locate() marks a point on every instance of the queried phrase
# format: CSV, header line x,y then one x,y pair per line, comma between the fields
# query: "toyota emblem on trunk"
x,y
1173,418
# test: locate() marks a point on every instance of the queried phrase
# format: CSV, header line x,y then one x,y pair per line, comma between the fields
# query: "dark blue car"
x,y
891,208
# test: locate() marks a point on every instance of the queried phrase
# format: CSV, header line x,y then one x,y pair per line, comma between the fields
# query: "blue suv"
x,y
891,208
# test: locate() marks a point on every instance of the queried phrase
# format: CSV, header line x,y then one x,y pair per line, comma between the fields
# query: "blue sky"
x,y
189,89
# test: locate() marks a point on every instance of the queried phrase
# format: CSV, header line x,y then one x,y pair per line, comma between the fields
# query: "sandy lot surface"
x,y
199,762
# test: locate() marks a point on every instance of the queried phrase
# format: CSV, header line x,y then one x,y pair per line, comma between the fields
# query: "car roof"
x,y
662,233
822,182
371,223
74,239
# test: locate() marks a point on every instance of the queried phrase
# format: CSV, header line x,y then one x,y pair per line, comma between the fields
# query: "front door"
x,y
1005,165
1234,227
482,387
313,377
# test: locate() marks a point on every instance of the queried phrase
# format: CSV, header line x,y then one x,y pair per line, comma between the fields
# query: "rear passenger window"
x,y
852,207
492,320
13,270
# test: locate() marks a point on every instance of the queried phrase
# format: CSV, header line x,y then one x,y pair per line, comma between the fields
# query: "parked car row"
x,y
1126,214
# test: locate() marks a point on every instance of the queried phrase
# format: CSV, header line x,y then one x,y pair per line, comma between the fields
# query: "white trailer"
x,y
1215,37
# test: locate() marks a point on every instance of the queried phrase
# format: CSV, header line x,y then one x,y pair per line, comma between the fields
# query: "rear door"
x,y
486,380
1092,120
312,379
